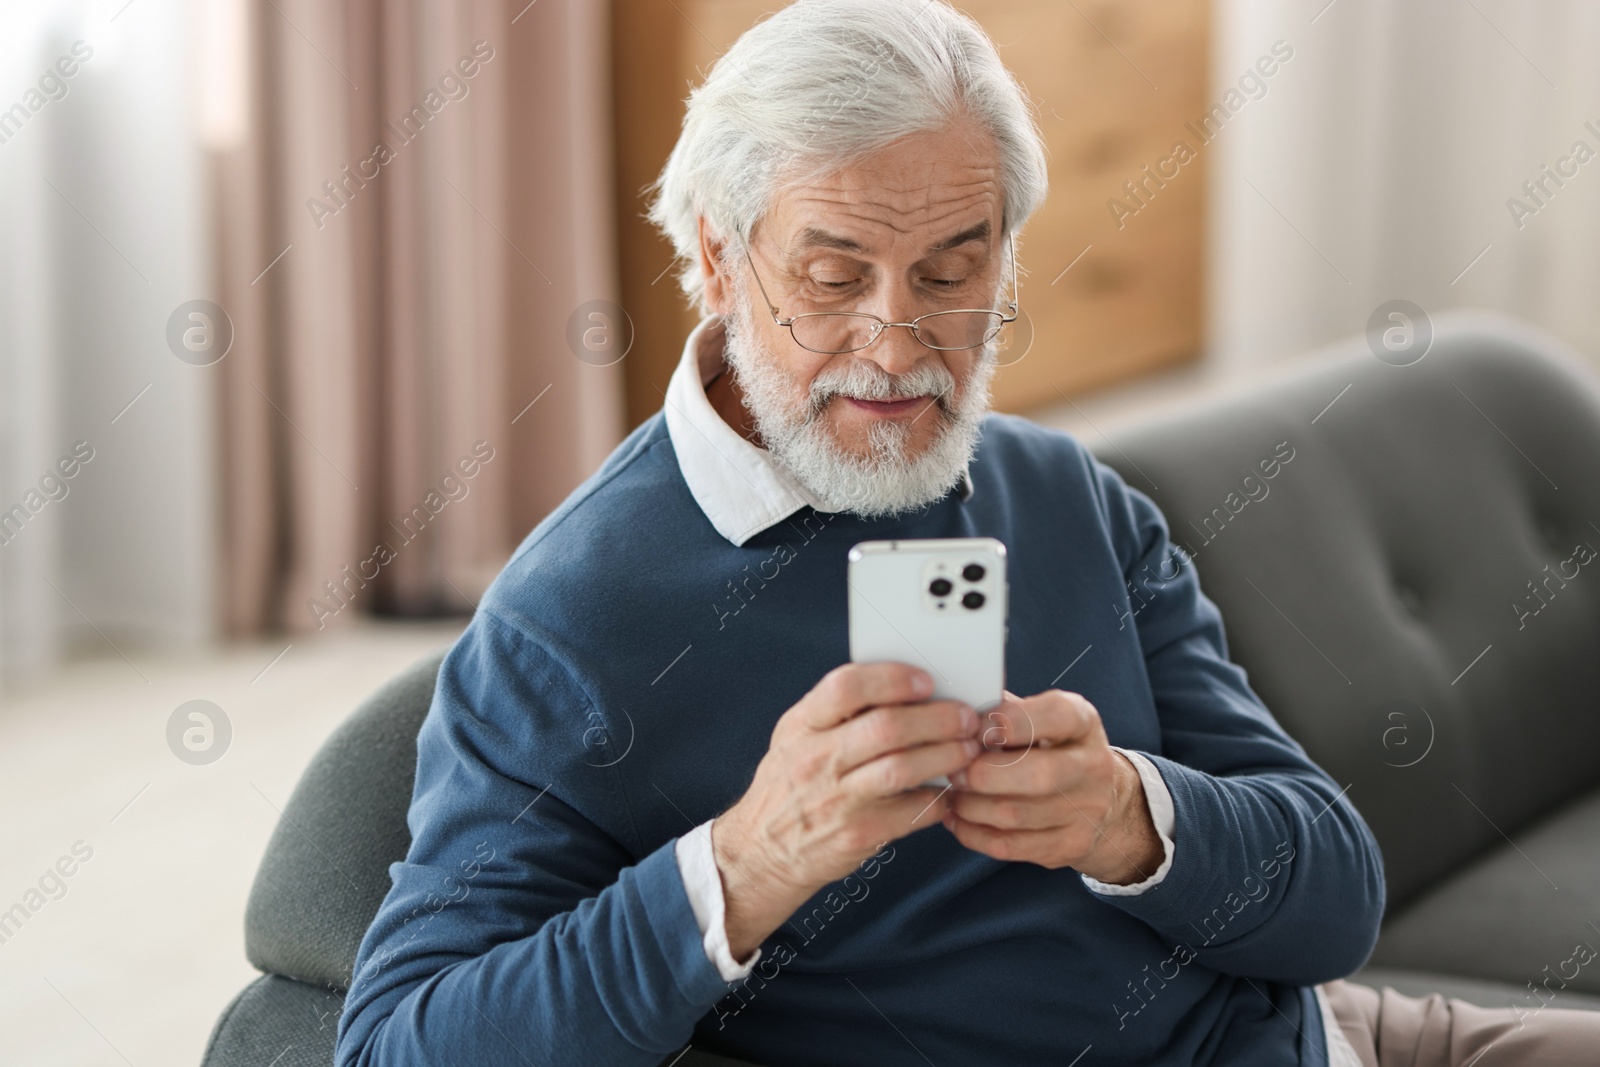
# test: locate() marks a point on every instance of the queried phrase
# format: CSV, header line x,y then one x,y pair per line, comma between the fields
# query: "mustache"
x,y
865,380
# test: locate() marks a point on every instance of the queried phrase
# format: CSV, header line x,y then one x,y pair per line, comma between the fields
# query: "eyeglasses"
x,y
836,332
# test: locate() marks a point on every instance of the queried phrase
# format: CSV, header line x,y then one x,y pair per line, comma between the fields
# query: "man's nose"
x,y
896,350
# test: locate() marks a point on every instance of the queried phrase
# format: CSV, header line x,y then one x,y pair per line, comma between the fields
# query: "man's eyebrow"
x,y
816,237
980,232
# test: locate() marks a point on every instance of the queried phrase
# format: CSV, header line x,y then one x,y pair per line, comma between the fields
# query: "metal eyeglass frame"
x,y
882,326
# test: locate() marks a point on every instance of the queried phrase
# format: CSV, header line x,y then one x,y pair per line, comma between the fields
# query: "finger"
x,y
915,809
1044,720
885,729
1053,717
1013,811
1022,772
1007,724
1033,846
909,768
850,687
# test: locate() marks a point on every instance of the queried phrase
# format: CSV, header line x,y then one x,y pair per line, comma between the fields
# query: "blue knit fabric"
x,y
619,684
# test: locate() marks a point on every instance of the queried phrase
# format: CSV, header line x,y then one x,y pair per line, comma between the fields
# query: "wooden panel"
x,y
1114,84
647,113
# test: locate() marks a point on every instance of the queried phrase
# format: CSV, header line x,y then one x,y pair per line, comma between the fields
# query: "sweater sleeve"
x,y
519,928
1274,874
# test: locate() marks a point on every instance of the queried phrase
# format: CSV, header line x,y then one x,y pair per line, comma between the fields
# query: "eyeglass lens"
x,y
951,330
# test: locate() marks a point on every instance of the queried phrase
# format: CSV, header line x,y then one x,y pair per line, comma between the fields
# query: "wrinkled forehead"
x,y
931,194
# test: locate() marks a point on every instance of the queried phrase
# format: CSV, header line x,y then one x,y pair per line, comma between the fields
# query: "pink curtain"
x,y
422,203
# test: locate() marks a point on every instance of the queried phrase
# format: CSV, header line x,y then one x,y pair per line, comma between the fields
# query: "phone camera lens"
x,y
973,572
939,587
973,599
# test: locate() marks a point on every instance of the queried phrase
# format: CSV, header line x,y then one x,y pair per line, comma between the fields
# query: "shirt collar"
x,y
741,488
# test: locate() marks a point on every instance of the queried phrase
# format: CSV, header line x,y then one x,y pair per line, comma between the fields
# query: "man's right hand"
x,y
840,777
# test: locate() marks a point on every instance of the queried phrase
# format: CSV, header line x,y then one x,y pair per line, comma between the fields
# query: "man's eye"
x,y
945,283
834,285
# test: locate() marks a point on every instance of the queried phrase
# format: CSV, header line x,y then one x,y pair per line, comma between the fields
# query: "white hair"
x,y
822,83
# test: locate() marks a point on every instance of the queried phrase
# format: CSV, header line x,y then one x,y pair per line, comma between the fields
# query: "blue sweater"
x,y
619,684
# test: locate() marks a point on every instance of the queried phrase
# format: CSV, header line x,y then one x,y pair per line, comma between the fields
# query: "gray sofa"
x,y
1386,589
1370,593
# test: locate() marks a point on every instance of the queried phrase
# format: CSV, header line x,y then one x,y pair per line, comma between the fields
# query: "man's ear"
x,y
719,294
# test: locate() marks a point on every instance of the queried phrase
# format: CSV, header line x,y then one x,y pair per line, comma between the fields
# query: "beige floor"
x,y
133,964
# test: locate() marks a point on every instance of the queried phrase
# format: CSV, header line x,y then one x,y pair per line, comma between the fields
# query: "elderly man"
x,y
655,806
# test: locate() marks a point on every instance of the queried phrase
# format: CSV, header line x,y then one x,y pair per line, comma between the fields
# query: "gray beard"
x,y
886,481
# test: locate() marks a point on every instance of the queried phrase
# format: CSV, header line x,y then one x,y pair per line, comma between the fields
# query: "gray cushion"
x,y
326,868
276,1021
1501,919
1386,556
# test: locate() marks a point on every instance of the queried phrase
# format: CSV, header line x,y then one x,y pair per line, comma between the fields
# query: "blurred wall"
x,y
1381,162
101,237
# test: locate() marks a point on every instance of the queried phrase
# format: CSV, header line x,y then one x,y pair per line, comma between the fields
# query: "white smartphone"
x,y
936,603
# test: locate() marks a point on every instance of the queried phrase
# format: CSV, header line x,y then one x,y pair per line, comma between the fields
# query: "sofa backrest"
x,y
326,868
1415,591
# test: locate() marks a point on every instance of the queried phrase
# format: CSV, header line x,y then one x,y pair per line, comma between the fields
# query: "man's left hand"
x,y
1049,789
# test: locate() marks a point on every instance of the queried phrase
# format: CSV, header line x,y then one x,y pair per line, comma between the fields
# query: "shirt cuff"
x,y
1159,800
703,883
